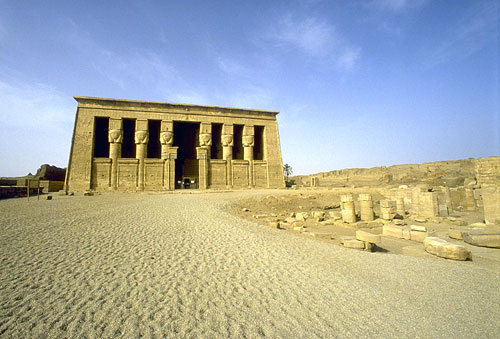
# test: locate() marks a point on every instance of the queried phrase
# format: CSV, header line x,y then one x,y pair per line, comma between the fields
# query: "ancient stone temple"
x,y
140,145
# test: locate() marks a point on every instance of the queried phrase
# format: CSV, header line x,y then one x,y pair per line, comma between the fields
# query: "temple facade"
x,y
134,145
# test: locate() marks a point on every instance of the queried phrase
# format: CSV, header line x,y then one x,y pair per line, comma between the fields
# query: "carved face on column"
x,y
167,138
247,140
141,137
115,136
227,140
205,139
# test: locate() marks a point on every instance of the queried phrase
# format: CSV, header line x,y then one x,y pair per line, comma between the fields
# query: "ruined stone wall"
x,y
488,171
491,201
115,172
441,173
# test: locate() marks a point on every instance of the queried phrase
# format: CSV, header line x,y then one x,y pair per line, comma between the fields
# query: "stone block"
x,y
459,222
444,249
354,244
47,197
301,216
346,238
393,231
369,247
482,239
418,236
455,234
368,237
318,214
88,194
418,228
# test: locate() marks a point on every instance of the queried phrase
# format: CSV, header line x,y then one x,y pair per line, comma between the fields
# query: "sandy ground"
x,y
180,265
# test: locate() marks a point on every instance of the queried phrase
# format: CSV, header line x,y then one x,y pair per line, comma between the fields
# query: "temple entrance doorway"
x,y
186,165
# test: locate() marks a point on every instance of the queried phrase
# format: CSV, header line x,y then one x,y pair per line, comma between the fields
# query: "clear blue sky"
x,y
358,83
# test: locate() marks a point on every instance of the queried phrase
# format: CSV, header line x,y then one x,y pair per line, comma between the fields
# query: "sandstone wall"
x,y
86,171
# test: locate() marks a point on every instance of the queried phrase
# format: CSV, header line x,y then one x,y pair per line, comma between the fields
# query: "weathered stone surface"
x,y
387,203
48,172
444,249
346,238
318,214
418,228
353,243
482,239
301,216
477,224
346,198
455,234
348,212
418,236
368,237
459,222
393,231
88,194
406,234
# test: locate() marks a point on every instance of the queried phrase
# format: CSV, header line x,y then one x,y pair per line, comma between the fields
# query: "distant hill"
x,y
440,173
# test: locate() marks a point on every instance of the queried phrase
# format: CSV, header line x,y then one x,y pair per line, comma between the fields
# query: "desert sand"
x,y
181,265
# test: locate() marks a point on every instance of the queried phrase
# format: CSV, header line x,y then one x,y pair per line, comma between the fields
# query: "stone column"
x,y
166,140
400,207
248,143
169,155
202,156
115,138
227,154
347,206
387,209
366,207
141,143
